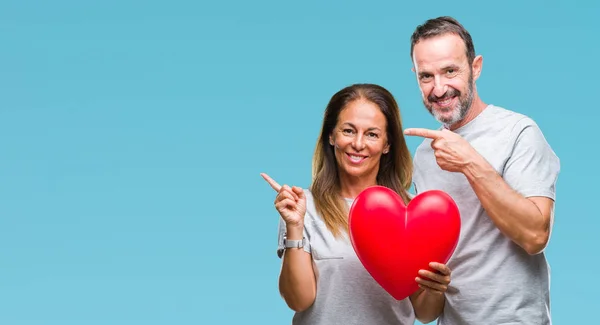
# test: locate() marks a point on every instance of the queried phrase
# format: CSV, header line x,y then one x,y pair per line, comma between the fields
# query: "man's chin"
x,y
449,117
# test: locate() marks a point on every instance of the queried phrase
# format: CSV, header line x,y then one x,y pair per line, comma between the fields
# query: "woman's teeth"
x,y
356,158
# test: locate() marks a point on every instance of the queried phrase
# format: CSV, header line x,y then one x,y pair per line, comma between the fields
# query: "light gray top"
x,y
346,292
494,281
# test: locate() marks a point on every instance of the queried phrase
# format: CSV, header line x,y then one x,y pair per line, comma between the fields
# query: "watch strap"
x,y
294,243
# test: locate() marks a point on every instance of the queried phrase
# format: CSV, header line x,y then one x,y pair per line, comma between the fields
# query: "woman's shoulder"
x,y
310,198
311,216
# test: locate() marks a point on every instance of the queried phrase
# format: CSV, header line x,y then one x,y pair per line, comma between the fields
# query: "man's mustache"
x,y
448,94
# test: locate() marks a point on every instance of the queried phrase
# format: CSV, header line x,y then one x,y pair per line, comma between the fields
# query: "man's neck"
x,y
476,108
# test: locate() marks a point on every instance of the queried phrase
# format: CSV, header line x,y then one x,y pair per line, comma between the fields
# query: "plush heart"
x,y
394,241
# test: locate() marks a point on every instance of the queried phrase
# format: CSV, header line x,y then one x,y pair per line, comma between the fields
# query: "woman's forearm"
x,y
427,306
297,283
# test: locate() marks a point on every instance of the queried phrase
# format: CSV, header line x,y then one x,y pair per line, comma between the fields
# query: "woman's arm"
x,y
428,302
297,283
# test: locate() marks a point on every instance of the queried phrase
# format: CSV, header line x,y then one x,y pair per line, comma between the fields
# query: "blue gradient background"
x,y
132,135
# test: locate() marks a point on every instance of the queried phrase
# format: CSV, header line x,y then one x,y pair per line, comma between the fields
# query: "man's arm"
x,y
526,221
521,201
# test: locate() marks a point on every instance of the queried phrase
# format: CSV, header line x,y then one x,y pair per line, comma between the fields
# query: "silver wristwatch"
x,y
293,243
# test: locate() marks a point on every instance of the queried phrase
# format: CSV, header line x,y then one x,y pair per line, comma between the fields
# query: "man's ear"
x,y
477,66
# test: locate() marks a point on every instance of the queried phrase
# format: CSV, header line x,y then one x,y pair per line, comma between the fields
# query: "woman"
x,y
360,145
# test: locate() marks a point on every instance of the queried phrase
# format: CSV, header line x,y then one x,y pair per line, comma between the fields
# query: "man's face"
x,y
445,77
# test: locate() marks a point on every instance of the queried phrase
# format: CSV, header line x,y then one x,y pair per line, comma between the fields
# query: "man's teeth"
x,y
444,102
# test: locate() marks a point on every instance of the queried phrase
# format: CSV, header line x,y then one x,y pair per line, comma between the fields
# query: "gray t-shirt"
x,y
494,281
346,292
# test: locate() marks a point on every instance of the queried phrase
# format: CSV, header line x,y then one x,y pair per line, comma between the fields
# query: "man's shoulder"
x,y
509,119
503,113
508,114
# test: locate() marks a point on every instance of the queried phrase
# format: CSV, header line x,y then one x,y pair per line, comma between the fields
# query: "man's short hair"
x,y
440,26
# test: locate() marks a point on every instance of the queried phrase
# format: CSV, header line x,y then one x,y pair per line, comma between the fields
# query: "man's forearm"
x,y
517,217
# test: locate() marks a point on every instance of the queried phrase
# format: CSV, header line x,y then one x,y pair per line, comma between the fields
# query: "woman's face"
x,y
359,139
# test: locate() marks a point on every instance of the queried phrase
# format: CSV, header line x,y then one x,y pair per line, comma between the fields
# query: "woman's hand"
x,y
290,202
435,282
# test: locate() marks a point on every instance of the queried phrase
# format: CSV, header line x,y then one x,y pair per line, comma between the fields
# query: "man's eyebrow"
x,y
424,73
451,66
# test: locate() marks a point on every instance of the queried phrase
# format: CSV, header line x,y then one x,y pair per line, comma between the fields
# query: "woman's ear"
x,y
386,149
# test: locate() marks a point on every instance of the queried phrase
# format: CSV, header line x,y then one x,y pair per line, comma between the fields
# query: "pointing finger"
x,y
426,133
271,182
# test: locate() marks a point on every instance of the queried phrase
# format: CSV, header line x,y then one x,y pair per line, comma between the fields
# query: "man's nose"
x,y
439,88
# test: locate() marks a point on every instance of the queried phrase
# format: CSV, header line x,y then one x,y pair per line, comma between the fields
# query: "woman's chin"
x,y
357,172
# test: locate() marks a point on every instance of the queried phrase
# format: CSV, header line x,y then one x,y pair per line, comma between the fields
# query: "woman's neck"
x,y
352,186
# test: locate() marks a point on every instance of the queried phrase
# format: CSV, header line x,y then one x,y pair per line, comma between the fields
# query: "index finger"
x,y
426,133
271,182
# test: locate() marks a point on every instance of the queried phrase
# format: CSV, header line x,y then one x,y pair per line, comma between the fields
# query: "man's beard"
x,y
458,112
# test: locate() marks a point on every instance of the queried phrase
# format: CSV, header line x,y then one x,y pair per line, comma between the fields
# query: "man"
x,y
501,172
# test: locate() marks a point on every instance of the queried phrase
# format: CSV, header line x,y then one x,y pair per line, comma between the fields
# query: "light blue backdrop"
x,y
132,135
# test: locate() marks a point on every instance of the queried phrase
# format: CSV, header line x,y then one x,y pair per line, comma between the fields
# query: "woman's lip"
x,y
356,158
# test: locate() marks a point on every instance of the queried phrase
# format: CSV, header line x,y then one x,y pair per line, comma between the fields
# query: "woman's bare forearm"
x,y
297,283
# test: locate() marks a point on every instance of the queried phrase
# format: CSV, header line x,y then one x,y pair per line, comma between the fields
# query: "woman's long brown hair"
x,y
395,167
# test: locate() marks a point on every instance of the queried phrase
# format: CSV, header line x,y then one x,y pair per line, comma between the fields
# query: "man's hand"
x,y
452,152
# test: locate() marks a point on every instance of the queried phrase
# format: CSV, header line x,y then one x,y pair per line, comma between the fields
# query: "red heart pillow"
x,y
394,241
